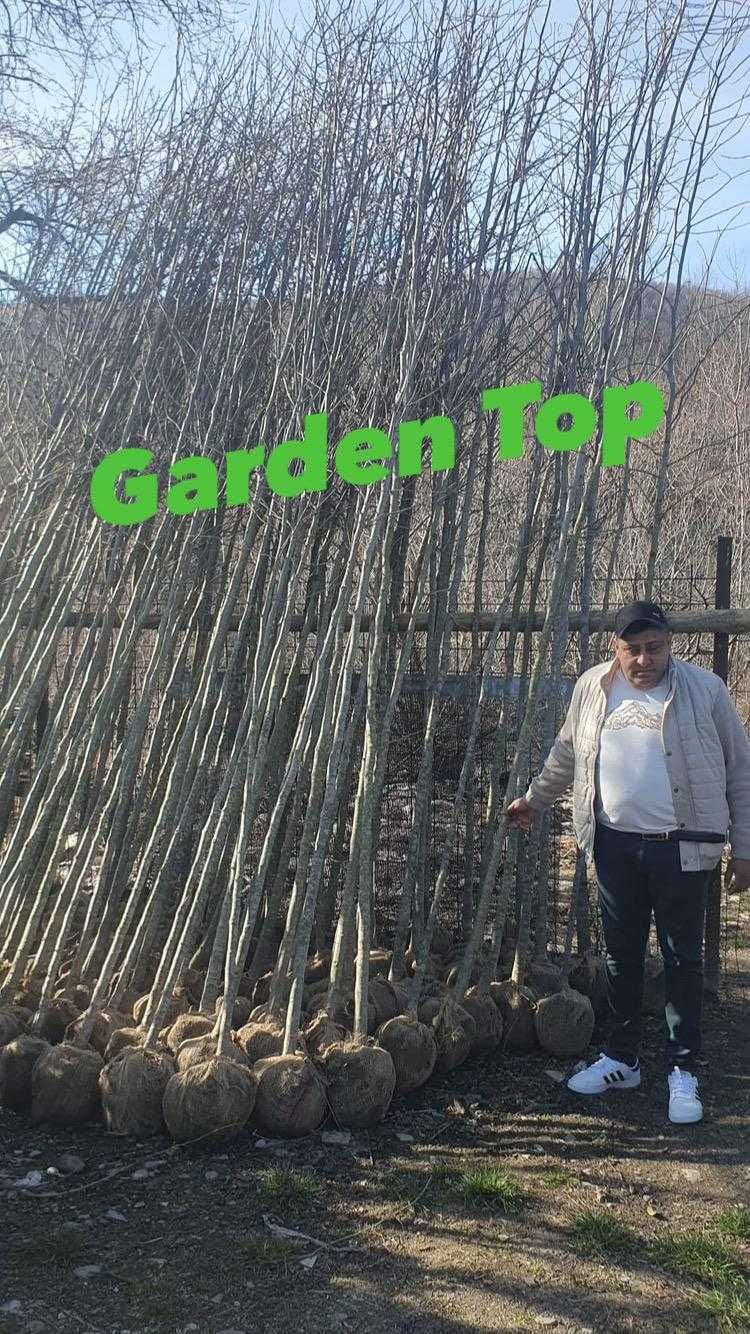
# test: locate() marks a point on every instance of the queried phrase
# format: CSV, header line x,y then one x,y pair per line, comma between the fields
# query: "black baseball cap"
x,y
639,616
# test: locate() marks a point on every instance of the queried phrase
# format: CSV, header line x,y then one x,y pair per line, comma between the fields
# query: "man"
x,y
660,766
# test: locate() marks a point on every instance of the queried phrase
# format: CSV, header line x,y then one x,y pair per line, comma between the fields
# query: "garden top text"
x,y
360,456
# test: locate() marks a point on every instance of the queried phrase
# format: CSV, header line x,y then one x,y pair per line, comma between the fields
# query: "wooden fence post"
x,y
720,666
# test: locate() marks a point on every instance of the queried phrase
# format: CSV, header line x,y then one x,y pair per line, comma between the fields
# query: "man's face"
x,y
643,656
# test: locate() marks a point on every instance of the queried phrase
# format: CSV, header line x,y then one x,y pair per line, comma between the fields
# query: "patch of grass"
x,y
597,1233
260,1251
706,1258
733,1223
446,1180
443,1174
555,1178
284,1188
59,1250
728,1304
491,1187
696,1255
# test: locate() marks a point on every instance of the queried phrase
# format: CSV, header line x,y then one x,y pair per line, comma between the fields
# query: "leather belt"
x,y
689,836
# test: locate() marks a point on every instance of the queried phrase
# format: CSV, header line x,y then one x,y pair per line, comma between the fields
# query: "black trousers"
x,y
637,877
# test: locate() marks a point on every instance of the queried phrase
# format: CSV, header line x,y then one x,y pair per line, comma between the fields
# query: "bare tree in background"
x,y
377,217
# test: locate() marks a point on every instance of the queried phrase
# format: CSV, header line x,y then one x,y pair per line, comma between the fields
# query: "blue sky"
x,y
723,222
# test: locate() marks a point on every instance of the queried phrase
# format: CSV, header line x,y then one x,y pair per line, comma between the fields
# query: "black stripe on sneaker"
x,y
619,1075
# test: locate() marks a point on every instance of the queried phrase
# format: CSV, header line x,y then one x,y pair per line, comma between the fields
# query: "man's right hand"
x,y
520,813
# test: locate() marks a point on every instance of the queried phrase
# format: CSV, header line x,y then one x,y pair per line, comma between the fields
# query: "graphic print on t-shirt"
x,y
633,791
633,714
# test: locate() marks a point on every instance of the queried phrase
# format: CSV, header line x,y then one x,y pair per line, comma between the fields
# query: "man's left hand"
x,y
737,875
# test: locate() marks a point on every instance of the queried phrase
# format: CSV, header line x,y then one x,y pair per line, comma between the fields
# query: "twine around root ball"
x,y
361,1079
105,1023
209,1103
122,1038
179,1003
9,1026
188,1026
454,1031
194,1051
385,999
487,1020
564,1023
321,1032
264,1038
17,1060
412,1049
65,1085
56,1019
517,1013
132,1091
291,1099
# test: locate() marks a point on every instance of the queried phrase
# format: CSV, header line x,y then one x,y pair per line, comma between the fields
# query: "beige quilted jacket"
x,y
706,749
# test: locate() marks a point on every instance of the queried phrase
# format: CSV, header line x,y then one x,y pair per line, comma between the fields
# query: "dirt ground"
x,y
408,1227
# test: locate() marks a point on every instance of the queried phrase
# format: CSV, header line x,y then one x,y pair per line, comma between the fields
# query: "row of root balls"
x,y
184,1085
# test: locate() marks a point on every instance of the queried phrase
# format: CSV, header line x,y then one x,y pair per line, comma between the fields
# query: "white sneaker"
x,y
684,1104
606,1074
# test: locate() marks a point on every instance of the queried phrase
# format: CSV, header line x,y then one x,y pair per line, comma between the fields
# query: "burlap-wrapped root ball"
x,y
188,1026
194,1051
65,1085
124,1004
321,1032
486,1016
56,1019
517,1013
564,1023
431,1008
9,1026
17,1060
79,994
412,1049
210,1102
23,1017
132,1090
317,967
28,993
106,1022
122,1038
194,983
545,978
346,1016
311,990
243,1008
262,1039
402,993
385,999
262,989
361,1081
587,976
291,1097
454,1031
436,968
179,1003
343,1013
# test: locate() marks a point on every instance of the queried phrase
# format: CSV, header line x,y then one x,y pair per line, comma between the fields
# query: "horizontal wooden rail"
x,y
731,621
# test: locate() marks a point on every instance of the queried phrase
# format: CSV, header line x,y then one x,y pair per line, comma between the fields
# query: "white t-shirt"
x,y
633,791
